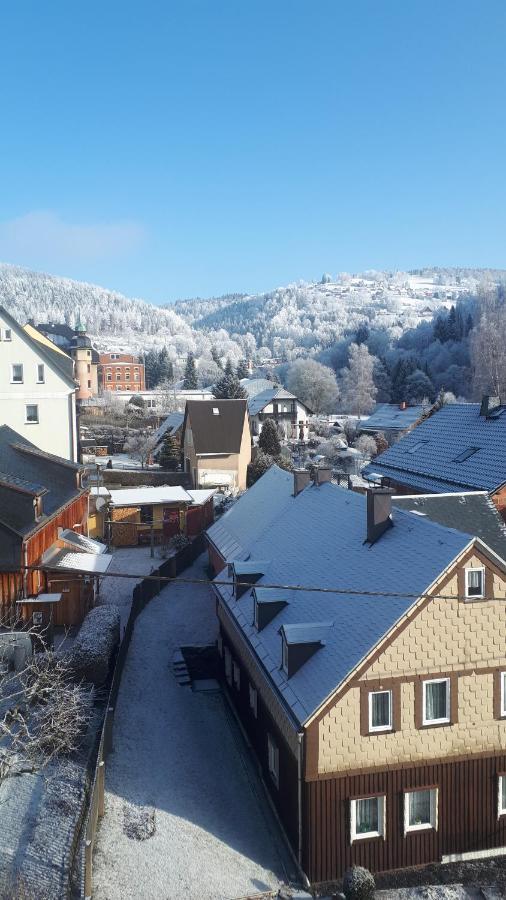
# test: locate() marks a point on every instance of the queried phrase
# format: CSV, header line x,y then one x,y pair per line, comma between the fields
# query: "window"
x,y
109,376
367,818
475,583
216,411
228,665
127,374
136,376
118,376
7,334
146,514
273,759
88,368
40,374
501,799
236,672
32,414
89,383
253,700
417,446
17,373
436,701
502,710
466,454
380,710
420,810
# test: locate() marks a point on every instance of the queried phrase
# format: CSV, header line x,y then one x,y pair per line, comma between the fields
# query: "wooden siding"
x,y
467,817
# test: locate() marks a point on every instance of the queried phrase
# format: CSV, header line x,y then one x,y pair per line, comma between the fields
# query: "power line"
x,y
247,584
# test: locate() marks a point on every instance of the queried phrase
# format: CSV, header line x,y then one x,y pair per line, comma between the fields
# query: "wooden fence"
x,y
142,593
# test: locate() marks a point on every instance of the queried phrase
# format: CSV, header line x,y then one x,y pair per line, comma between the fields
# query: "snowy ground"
x,y
130,561
180,778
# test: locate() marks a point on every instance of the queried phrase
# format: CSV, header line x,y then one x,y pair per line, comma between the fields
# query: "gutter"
x,y
300,739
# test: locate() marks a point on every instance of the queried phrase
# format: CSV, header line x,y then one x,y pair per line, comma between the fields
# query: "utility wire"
x,y
247,584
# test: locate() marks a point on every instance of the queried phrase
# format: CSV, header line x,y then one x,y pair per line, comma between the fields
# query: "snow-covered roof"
x,y
254,386
390,417
89,563
237,528
148,495
173,421
257,403
200,497
317,541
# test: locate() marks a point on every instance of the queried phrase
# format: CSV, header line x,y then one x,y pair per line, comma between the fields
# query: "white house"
x,y
37,388
267,400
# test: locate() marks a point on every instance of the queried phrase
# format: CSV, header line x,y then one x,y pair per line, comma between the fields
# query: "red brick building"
x,y
120,372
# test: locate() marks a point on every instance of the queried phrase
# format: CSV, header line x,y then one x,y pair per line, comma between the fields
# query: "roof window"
x,y
415,447
466,454
299,643
216,411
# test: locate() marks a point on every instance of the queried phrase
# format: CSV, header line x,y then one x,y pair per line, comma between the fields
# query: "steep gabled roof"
x,y
455,449
56,359
318,542
216,432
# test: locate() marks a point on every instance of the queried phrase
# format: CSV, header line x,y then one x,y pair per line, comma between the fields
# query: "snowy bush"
x,y
358,884
98,637
179,542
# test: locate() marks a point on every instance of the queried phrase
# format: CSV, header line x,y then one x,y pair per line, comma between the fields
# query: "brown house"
x,y
217,443
371,681
43,516
120,372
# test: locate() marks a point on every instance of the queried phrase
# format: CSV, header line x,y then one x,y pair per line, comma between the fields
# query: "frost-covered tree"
x,y
242,369
366,445
313,384
488,351
418,386
140,446
229,387
216,358
269,438
358,391
190,380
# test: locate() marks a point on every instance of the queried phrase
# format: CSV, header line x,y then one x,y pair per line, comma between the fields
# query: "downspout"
x,y
25,571
300,741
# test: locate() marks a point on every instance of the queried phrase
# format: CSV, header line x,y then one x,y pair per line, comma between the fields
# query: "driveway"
x,y
185,816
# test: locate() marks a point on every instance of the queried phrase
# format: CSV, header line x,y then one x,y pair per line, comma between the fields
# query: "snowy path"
x,y
131,561
176,752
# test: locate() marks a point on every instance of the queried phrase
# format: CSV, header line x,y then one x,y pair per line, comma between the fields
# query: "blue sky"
x,y
173,149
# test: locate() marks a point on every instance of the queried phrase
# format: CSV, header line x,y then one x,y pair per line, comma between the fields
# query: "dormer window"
x,y
299,643
266,605
246,574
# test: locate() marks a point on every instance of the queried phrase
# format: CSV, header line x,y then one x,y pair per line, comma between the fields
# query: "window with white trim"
x,y
17,373
273,759
32,414
253,700
436,701
228,665
367,817
236,673
475,583
420,809
41,377
501,795
503,693
380,710
7,335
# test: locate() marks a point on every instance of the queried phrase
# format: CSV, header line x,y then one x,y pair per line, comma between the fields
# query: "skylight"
x,y
216,411
466,454
415,447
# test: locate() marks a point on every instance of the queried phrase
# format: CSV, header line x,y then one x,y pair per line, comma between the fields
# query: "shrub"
x,y
179,541
358,884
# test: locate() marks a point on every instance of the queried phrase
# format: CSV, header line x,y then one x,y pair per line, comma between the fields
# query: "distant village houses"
x,y
267,400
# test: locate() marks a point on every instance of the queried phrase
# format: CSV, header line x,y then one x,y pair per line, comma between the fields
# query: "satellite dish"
x,y
100,503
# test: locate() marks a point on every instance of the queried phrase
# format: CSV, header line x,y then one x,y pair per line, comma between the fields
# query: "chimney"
x,y
403,404
322,474
379,508
488,405
301,479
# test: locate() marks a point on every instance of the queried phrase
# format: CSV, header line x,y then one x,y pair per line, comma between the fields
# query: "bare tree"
x,y
358,390
488,352
140,446
313,384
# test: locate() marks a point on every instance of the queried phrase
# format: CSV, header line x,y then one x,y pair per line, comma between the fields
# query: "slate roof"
x,y
39,472
470,512
255,510
257,403
390,417
214,434
254,386
426,458
318,541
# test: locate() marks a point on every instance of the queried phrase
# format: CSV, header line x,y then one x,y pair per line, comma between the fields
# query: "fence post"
x,y
109,722
88,875
101,788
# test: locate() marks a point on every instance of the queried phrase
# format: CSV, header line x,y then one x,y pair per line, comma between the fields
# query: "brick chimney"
x,y
322,474
301,479
379,508
488,405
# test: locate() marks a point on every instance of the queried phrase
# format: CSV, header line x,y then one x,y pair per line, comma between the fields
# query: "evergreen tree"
x,y
242,369
362,333
215,357
382,381
165,367
151,369
190,380
229,387
170,452
269,438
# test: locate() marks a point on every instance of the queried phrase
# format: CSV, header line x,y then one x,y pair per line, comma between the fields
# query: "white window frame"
x,y
253,700
446,719
236,675
502,676
434,802
31,421
501,810
482,594
378,728
366,835
41,366
7,331
273,759
15,380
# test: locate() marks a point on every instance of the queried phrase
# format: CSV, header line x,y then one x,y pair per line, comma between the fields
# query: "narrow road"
x,y
184,816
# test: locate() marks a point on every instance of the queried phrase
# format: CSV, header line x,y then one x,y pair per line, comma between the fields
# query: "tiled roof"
x,y
473,513
257,403
173,421
318,542
390,417
235,531
426,458
81,542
